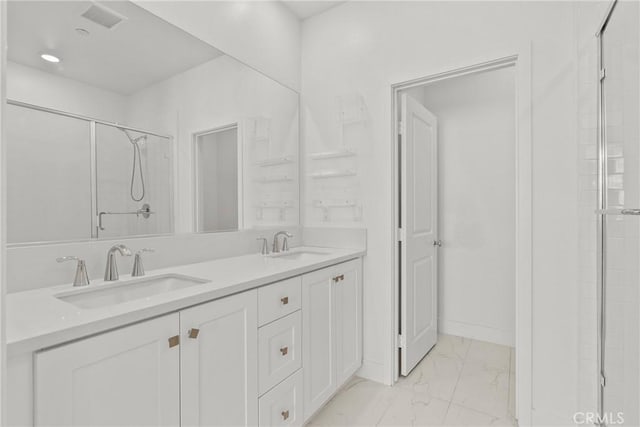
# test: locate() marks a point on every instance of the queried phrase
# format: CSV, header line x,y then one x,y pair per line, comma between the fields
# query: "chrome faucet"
x,y
285,243
81,278
138,268
111,272
264,247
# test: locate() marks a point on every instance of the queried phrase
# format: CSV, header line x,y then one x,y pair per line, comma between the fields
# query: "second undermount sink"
x,y
120,292
300,254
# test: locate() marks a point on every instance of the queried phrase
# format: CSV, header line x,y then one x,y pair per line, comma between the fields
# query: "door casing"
x,y
520,58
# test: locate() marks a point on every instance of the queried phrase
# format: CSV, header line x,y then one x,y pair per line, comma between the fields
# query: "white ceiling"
x,y
307,8
140,51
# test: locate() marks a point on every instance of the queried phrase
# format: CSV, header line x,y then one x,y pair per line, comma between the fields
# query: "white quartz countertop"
x,y
37,319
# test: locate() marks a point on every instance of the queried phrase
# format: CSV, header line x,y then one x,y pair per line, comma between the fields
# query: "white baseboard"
x,y
477,332
374,371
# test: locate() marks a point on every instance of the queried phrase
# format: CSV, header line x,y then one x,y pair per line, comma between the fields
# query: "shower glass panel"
x,y
133,183
48,176
621,233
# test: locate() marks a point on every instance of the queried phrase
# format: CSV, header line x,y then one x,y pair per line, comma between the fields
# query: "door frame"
x,y
196,220
520,59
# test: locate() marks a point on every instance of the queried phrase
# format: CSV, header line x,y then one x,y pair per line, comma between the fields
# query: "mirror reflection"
x,y
120,124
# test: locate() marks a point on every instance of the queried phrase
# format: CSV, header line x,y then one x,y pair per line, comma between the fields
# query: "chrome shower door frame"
x,y
602,212
93,165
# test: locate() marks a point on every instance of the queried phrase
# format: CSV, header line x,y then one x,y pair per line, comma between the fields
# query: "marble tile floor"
x,y
461,382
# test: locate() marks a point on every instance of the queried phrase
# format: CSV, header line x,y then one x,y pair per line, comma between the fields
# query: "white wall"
x,y
264,34
365,47
476,168
37,87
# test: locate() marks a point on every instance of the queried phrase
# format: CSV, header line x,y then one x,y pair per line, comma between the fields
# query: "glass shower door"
x,y
620,336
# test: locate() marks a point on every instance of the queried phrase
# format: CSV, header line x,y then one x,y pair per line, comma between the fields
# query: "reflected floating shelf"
x,y
275,178
333,154
332,174
326,205
275,204
275,161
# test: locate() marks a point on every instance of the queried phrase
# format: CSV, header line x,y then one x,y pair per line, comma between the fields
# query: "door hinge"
x,y
401,234
401,342
603,73
401,128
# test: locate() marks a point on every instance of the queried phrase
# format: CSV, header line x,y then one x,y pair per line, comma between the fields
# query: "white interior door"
x,y
419,232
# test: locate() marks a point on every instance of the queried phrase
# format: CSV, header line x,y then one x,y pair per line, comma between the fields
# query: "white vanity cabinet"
x,y
195,367
267,356
332,331
219,362
129,376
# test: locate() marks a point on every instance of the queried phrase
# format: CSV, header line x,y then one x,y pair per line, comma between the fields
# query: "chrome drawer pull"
x,y
284,350
284,300
285,414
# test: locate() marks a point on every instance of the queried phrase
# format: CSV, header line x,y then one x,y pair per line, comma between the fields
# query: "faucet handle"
x,y
81,278
264,250
138,268
285,242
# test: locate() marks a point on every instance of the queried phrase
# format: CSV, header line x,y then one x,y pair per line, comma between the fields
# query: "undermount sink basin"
x,y
300,255
119,292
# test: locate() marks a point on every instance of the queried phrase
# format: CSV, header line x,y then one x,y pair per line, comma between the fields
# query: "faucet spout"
x,y
285,244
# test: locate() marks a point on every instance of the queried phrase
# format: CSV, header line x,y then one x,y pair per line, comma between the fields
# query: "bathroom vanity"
x,y
265,340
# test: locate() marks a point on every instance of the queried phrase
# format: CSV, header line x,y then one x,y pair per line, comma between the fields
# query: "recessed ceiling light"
x,y
50,58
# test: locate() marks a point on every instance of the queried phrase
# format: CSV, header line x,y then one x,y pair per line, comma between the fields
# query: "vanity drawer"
x,y
279,350
282,406
279,299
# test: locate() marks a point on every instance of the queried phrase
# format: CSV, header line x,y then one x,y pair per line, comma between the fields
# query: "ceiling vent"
x,y
103,16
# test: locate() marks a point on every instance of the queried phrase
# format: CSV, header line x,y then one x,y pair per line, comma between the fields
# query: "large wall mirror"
x,y
121,124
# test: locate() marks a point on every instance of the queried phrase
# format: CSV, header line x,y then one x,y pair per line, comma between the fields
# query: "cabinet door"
x,y
348,309
219,363
126,377
318,351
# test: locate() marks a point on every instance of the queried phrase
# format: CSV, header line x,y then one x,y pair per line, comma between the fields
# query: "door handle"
x,y
284,300
193,333
284,350
437,243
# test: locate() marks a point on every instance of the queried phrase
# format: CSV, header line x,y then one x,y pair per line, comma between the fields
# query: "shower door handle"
x,y
618,212
630,211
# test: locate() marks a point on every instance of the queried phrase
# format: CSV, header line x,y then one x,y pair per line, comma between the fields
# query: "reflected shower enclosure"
x,y
71,177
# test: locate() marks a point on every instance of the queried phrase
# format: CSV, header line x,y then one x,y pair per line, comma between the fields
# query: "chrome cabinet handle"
x,y
284,350
285,414
284,300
